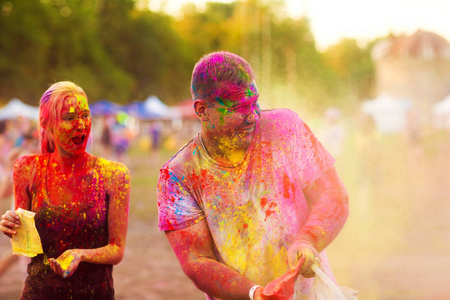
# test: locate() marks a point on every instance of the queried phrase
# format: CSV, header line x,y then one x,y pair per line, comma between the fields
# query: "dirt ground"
x,y
395,245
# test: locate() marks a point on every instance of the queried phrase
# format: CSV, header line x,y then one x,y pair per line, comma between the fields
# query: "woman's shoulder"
x,y
32,160
27,166
110,167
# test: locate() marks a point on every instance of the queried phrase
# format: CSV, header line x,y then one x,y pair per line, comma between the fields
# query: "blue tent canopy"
x,y
139,110
104,107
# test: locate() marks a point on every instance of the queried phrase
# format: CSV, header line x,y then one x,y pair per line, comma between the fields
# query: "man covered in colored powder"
x,y
252,194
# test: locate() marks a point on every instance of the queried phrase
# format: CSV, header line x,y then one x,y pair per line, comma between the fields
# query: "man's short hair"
x,y
215,71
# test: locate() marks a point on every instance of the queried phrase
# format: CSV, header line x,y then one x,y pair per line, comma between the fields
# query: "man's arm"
x,y
194,248
328,201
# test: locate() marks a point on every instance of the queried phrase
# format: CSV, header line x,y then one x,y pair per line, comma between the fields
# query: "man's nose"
x,y
253,117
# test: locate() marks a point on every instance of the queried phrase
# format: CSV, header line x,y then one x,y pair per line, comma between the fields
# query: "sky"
x,y
363,20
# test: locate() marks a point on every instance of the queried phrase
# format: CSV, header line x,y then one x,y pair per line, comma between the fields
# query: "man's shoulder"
x,y
278,114
182,156
279,119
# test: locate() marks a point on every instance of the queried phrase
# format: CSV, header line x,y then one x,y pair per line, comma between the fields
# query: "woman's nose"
x,y
80,123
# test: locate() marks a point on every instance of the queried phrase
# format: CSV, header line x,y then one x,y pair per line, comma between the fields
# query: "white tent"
x,y
154,105
441,114
389,114
16,108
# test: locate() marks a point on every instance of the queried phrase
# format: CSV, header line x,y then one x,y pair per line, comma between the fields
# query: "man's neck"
x,y
224,152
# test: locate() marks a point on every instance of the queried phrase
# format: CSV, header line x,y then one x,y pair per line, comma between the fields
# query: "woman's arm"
x,y
117,185
22,175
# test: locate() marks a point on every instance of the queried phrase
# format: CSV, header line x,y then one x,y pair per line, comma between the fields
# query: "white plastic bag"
x,y
325,289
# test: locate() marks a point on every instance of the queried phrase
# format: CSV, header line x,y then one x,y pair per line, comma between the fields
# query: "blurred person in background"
x,y
155,135
5,147
120,138
81,203
252,195
106,138
332,134
29,145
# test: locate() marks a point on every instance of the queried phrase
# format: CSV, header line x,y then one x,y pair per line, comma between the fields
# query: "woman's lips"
x,y
78,140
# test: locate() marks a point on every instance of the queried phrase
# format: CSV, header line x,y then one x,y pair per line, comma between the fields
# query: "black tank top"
x,y
80,225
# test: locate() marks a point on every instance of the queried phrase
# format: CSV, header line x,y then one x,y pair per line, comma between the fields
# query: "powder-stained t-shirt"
x,y
256,209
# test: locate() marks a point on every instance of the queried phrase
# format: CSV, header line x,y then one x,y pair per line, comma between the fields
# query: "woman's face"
x,y
72,133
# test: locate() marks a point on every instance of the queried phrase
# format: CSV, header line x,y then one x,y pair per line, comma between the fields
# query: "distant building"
x,y
415,67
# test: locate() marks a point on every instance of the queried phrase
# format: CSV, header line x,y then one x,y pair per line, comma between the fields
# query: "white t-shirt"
x,y
255,210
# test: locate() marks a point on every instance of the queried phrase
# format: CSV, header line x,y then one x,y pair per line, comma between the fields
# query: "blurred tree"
x,y
145,45
300,67
354,66
24,45
122,51
209,30
281,50
47,41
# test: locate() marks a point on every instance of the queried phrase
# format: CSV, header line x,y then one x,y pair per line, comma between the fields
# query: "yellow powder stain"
x,y
66,262
72,110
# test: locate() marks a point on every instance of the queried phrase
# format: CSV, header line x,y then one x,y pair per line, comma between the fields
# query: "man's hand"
x,y
259,295
310,254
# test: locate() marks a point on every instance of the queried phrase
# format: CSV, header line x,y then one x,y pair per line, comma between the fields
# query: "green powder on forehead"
x,y
82,102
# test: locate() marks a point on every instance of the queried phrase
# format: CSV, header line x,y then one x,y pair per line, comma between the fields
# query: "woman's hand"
x,y
67,263
10,221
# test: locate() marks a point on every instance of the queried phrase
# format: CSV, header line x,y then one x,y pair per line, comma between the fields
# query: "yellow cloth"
x,y
27,241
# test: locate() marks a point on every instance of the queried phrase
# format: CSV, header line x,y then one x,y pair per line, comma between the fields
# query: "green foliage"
x,y
119,52
354,65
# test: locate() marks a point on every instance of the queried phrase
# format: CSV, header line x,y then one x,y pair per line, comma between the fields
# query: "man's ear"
x,y
200,109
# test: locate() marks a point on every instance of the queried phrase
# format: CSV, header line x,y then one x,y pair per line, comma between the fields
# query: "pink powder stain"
x,y
263,202
287,186
269,210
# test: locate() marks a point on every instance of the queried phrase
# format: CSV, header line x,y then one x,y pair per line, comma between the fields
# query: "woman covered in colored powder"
x,y
81,203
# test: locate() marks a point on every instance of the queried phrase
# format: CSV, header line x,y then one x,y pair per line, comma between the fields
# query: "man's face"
x,y
72,134
234,115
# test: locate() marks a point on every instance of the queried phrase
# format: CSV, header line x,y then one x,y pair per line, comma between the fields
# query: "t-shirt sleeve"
x,y
177,208
310,156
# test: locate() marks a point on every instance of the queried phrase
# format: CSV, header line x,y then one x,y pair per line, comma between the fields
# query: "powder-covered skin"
x,y
256,210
